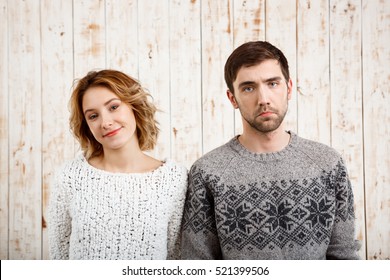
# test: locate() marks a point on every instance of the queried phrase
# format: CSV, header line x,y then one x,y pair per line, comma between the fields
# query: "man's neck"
x,y
269,142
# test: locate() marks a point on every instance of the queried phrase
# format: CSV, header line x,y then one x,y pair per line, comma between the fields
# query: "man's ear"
x,y
289,89
232,99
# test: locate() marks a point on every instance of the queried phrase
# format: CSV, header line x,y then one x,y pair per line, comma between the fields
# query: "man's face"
x,y
261,94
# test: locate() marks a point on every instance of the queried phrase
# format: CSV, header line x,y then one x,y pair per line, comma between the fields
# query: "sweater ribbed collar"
x,y
162,168
279,155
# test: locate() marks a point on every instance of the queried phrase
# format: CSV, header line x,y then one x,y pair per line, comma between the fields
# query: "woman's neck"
x,y
125,161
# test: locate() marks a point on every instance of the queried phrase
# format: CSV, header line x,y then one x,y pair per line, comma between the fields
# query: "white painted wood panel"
x,y
4,130
313,70
346,106
376,117
185,73
218,113
122,31
57,77
89,37
25,134
154,61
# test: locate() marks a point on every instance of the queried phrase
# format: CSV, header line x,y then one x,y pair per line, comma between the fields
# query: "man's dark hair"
x,y
250,54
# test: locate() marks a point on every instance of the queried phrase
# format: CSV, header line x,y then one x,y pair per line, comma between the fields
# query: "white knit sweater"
x,y
95,214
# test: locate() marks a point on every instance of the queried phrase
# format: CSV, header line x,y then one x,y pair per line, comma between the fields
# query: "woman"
x,y
114,201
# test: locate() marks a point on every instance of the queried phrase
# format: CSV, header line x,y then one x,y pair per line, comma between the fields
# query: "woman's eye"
x,y
92,116
114,107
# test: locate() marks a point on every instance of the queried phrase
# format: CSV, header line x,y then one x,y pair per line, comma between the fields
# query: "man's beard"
x,y
266,124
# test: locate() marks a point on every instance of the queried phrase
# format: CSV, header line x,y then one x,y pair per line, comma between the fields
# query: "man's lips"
x,y
266,113
112,132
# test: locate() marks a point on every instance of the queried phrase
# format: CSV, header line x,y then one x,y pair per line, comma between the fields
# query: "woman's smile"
x,y
112,132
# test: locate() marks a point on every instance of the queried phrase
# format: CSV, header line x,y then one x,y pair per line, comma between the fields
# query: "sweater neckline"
x,y
241,150
135,174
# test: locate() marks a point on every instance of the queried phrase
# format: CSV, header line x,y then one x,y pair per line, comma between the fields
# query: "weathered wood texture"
x,y
25,131
57,76
185,80
153,64
89,32
376,119
339,56
346,96
313,70
4,131
216,108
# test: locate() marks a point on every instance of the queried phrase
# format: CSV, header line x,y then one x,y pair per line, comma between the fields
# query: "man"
x,y
267,193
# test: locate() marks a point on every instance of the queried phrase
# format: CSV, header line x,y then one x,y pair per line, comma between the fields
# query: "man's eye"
x,y
248,89
273,84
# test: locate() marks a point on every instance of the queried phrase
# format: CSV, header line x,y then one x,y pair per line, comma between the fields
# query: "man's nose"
x,y
263,97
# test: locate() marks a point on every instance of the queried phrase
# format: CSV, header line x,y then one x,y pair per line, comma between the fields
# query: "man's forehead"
x,y
262,71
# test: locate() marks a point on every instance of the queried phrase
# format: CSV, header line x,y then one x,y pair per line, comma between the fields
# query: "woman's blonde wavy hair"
x,y
129,91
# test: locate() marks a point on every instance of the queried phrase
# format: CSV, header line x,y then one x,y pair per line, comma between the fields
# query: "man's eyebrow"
x,y
246,83
272,79
105,104
249,83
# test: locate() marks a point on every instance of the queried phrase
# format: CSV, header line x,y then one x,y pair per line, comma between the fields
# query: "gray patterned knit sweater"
x,y
292,204
96,214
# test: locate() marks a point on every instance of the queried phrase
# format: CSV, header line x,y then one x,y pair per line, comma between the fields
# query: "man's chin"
x,y
266,127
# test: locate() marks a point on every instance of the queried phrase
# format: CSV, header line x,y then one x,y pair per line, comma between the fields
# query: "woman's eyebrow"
x,y
105,104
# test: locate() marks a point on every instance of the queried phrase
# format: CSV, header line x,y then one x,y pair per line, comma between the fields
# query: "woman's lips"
x,y
112,132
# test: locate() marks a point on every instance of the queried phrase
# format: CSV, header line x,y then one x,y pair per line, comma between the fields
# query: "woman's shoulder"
x,y
176,179
175,167
78,161
177,173
71,165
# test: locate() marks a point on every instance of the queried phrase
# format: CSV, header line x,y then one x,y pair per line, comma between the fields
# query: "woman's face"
x,y
110,120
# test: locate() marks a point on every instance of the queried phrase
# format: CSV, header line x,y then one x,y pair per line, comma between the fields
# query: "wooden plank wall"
x,y
339,55
376,119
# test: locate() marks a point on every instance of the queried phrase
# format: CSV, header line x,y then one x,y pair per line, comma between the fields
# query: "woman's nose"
x,y
106,121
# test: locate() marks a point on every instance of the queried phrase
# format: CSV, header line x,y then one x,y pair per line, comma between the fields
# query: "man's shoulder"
x,y
318,147
215,159
319,152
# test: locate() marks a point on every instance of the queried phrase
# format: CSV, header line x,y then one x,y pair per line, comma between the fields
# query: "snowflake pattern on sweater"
x,y
95,214
287,205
